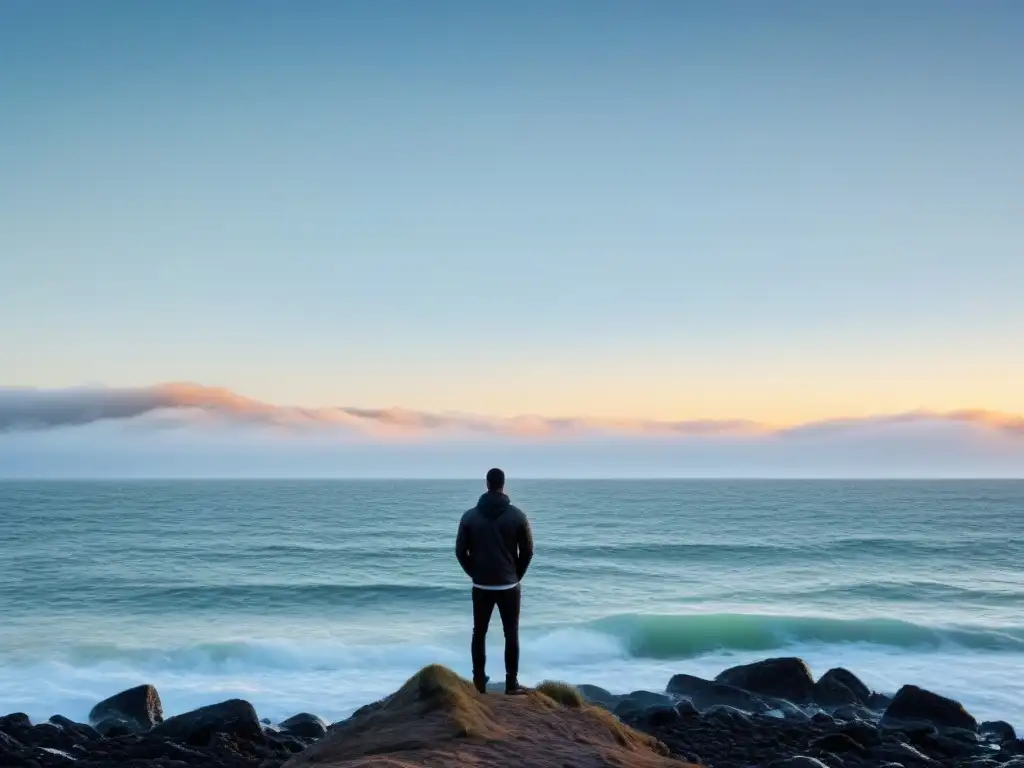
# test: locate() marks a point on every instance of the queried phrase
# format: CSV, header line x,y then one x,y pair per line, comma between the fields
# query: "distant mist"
x,y
186,430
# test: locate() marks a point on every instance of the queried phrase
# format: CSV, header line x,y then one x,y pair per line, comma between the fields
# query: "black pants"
x,y
507,601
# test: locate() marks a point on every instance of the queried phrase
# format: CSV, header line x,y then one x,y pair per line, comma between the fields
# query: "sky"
x,y
783,214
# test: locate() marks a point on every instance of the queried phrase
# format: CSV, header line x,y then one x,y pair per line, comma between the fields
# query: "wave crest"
x,y
680,637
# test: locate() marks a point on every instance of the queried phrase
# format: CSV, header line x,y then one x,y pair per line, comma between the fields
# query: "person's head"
x,y
495,480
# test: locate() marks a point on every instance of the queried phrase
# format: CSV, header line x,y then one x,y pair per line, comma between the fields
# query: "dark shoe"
x,y
480,683
515,689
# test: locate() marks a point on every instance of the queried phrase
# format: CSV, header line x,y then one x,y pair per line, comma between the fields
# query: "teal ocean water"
x,y
322,596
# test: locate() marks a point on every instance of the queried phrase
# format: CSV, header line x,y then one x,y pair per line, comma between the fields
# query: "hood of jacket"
x,y
493,504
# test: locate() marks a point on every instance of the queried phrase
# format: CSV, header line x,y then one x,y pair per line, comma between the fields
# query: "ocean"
x,y
322,596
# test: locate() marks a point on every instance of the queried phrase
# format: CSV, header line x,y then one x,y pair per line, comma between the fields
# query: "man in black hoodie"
x,y
494,548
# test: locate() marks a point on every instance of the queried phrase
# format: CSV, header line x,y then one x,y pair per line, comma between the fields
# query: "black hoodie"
x,y
494,545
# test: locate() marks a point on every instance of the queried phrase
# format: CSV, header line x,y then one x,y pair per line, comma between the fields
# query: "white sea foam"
x,y
334,679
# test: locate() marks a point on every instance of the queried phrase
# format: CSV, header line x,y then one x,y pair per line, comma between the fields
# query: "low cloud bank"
x,y
25,409
183,430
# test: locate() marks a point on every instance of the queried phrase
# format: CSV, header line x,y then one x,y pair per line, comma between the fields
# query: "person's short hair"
x,y
495,480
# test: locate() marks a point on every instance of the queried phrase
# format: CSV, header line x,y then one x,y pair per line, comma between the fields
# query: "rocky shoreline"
x,y
770,713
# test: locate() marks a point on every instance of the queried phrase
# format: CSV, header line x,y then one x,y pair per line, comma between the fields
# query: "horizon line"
x,y
516,479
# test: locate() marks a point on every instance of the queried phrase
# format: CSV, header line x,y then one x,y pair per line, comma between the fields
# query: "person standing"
x,y
494,546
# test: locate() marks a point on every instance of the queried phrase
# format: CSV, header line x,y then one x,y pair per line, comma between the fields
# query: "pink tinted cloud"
x,y
43,409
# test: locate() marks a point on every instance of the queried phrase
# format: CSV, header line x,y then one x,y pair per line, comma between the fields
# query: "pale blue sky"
x,y
667,209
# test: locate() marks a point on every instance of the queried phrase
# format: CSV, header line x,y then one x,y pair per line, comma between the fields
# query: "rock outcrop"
x,y
783,678
916,705
138,708
438,719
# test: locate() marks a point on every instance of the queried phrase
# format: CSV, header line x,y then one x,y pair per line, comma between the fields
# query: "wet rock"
x,y
51,756
706,693
782,678
729,716
800,761
627,709
855,712
898,752
913,704
997,731
234,717
941,745
686,709
140,705
649,698
115,727
14,723
49,736
660,716
849,681
832,693
9,744
599,696
839,687
788,710
840,744
634,704
863,733
82,731
304,726
285,744
879,702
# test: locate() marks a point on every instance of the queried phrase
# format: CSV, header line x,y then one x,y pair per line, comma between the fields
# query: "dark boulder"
x,y
633,705
962,734
997,731
304,726
627,709
649,698
660,716
9,745
83,732
599,696
898,752
846,678
114,727
730,717
782,678
913,704
840,744
706,693
839,687
942,746
234,717
864,734
829,693
49,736
685,708
285,744
140,705
800,761
854,712
788,710
879,702
15,723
